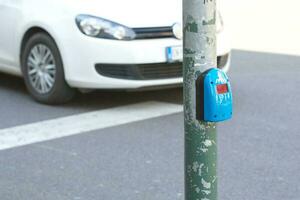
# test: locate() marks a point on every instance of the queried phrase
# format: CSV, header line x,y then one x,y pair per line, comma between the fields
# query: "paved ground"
x,y
258,150
14,99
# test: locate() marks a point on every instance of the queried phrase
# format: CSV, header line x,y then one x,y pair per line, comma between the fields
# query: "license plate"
x,y
174,54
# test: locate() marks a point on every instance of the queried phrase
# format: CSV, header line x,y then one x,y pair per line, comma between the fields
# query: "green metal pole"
x,y
199,18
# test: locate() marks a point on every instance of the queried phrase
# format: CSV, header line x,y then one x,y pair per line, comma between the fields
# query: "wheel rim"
x,y
41,68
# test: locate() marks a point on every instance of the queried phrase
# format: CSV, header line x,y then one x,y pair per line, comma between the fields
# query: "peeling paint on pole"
x,y
199,17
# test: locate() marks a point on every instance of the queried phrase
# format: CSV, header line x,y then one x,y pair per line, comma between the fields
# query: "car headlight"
x,y
102,28
219,23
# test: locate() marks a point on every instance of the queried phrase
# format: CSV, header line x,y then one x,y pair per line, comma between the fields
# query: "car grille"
x,y
141,72
147,71
154,32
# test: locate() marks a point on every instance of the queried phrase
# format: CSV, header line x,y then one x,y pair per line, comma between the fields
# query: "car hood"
x,y
132,13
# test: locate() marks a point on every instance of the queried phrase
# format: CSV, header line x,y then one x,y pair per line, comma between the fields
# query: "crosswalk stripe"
x,y
82,123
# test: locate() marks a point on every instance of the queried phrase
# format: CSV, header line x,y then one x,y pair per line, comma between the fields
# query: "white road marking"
x,y
82,123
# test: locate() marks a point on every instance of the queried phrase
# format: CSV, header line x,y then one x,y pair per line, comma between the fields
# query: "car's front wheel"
x,y
43,72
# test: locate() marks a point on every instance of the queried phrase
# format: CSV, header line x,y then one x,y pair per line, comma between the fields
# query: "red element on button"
x,y
222,88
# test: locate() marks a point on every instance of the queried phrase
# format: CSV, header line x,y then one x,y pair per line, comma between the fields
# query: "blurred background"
x,y
75,151
265,26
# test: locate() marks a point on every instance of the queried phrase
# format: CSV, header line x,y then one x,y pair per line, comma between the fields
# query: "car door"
x,y
9,14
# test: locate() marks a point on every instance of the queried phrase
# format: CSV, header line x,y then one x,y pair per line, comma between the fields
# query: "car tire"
x,y
43,71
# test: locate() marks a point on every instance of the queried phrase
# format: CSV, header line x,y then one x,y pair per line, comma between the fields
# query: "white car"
x,y
59,46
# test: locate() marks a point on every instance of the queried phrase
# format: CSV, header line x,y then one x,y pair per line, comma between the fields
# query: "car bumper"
x,y
85,56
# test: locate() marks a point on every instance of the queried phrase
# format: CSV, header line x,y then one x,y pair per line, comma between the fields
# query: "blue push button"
x,y
213,96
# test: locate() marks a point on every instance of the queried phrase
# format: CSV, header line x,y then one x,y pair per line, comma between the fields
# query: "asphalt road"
x,y
258,150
